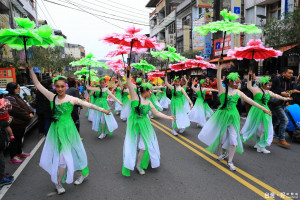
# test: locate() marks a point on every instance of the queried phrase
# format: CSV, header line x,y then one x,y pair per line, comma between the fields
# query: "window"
x,y
201,12
171,28
186,21
260,10
250,16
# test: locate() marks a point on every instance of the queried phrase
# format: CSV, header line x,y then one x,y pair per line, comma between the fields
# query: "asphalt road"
x,y
187,171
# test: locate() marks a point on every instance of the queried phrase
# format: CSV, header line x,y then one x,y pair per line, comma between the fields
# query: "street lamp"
x,y
261,17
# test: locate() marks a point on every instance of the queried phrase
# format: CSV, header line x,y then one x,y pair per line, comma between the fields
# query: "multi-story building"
x,y
74,50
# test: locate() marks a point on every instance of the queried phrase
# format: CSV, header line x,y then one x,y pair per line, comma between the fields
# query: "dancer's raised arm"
x,y
133,94
221,88
49,95
113,97
159,114
167,83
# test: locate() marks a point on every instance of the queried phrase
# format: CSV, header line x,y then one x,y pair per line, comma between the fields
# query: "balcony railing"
x,y
182,5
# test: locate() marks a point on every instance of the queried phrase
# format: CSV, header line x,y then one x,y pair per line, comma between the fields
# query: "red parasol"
x,y
133,40
254,50
181,65
121,50
199,62
117,66
156,74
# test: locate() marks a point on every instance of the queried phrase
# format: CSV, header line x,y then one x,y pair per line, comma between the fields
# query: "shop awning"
x,y
286,48
228,58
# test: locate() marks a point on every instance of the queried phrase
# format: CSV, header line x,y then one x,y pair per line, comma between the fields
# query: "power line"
x,y
49,14
127,6
44,13
116,10
102,11
95,15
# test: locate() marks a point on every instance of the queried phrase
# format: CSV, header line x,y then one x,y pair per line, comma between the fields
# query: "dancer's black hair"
x,y
174,90
263,96
53,110
226,82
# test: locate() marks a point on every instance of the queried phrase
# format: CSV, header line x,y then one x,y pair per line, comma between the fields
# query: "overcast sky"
x,y
85,29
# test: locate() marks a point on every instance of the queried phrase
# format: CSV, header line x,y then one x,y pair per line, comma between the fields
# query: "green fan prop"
x,y
21,37
170,55
227,26
143,66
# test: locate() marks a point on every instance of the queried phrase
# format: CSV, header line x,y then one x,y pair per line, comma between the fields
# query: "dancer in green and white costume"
x,y
258,124
126,107
103,124
63,148
201,110
223,127
164,100
141,145
118,95
177,106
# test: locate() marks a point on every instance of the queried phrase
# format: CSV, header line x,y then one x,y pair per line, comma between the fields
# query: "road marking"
x,y
252,178
21,168
239,179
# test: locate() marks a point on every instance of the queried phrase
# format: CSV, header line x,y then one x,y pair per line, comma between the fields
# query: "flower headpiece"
x,y
139,80
233,76
102,79
57,77
146,86
202,81
176,77
264,80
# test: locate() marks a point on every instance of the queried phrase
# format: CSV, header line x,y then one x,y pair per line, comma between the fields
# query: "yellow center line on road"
x,y
225,170
252,178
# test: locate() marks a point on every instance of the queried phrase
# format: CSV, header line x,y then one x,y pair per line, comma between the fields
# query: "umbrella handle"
x,y
129,61
223,44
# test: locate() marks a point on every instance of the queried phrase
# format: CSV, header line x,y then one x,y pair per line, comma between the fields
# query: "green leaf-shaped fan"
x,y
143,66
227,26
171,55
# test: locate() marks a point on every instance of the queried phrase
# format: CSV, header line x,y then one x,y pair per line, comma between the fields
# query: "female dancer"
x,y
164,100
177,106
63,148
183,84
108,122
126,107
257,122
139,133
223,127
201,111
118,95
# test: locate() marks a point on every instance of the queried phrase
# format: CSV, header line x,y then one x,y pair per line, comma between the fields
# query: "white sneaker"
x,y
223,155
263,150
181,130
174,132
60,189
102,136
256,146
80,179
231,166
141,171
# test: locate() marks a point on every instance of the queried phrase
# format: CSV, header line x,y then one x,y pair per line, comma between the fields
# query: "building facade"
x,y
74,50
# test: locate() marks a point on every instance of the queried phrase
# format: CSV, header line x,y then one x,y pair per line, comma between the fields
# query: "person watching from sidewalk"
x,y
281,85
22,115
296,96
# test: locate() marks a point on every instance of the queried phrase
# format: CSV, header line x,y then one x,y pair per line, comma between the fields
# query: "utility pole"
x,y
216,17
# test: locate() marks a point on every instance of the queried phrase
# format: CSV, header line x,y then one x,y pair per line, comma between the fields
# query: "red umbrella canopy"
x,y
181,65
156,74
199,62
124,50
254,50
117,66
131,38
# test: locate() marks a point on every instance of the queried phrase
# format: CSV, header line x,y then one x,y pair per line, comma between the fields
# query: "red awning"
x,y
228,58
286,48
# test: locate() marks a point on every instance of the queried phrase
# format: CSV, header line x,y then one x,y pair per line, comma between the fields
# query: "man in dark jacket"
x,y
282,86
72,91
296,96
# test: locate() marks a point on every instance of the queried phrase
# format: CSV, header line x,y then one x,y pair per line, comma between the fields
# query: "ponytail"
x,y
262,99
53,110
137,109
226,94
100,95
174,91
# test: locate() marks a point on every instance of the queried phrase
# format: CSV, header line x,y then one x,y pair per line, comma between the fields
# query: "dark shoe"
x,y
5,181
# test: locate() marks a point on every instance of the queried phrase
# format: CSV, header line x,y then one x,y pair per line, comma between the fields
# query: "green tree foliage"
x,y
283,32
